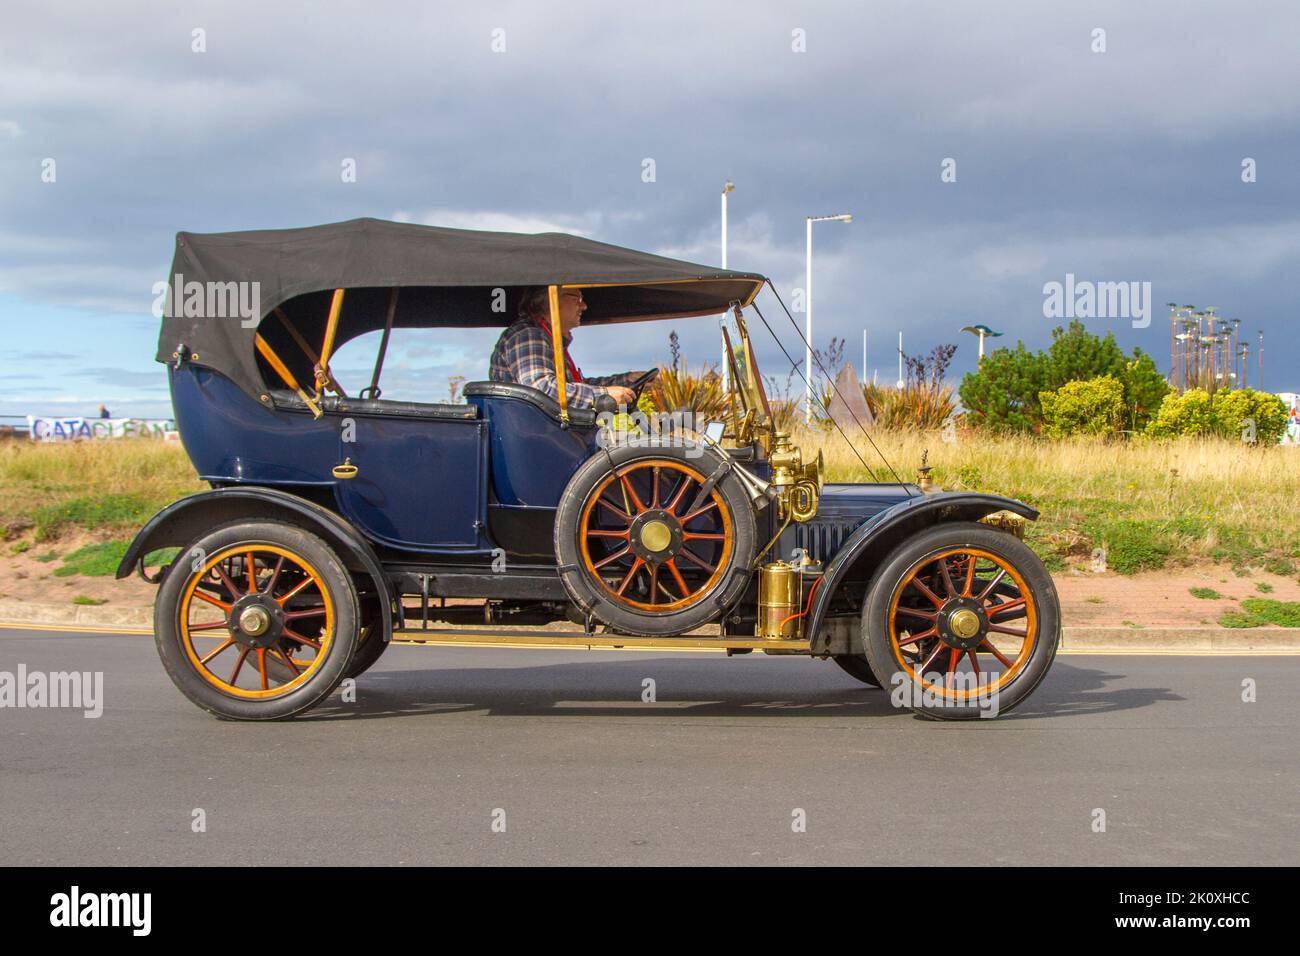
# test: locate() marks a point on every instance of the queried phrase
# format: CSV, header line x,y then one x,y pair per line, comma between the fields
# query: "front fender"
x,y
878,535
183,521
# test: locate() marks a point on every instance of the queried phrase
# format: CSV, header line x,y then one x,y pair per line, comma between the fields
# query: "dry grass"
x,y
103,486
1146,502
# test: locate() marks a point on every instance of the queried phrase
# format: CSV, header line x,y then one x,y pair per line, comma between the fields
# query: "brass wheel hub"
x,y
962,623
256,622
656,536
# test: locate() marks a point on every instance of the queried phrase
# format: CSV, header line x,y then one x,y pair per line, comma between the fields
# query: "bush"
x,y
678,389
1196,413
1132,545
916,407
1004,393
1087,407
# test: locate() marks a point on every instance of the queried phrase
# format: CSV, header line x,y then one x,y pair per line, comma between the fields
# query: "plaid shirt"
x,y
523,355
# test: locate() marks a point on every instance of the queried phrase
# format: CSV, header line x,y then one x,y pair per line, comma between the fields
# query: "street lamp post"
x,y
727,187
808,306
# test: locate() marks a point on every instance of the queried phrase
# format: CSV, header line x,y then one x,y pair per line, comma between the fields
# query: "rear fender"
x,y
184,521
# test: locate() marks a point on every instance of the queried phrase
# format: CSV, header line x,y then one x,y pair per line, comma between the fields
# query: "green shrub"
x,y
1249,415
94,560
1205,594
1191,413
1092,406
1258,612
1133,546
1242,414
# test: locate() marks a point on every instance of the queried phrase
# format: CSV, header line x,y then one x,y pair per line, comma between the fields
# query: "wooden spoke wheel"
x,y
257,621
652,545
966,617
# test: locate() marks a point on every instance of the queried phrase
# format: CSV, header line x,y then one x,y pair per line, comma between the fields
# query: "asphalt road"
x,y
442,739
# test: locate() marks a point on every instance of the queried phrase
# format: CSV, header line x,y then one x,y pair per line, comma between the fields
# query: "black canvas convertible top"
x,y
447,277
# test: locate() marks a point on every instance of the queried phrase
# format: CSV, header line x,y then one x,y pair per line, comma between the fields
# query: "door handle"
x,y
345,471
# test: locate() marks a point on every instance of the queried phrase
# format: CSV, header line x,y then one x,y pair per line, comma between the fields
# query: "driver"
x,y
524,354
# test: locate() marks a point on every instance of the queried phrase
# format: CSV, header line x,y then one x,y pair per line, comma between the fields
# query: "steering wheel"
x,y
639,383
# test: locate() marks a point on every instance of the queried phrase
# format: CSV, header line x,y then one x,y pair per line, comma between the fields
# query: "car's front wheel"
x,y
961,621
256,621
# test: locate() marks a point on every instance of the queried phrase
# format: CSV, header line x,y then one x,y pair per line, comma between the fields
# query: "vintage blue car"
x,y
337,521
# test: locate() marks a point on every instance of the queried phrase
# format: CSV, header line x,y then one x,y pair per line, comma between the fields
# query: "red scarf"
x,y
574,373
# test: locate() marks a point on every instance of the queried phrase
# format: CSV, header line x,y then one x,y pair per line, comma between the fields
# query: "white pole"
x,y
808,325
901,383
726,366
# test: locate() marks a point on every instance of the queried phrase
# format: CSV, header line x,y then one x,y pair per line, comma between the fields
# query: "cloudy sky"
x,y
1122,165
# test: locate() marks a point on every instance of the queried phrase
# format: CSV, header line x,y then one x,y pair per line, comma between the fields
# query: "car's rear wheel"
x,y
961,621
257,621
654,542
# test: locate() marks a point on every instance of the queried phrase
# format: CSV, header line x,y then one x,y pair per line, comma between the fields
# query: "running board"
x,y
538,638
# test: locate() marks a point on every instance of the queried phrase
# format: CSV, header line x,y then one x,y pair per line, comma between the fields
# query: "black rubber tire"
x,y
857,667
934,540
167,634
371,643
586,590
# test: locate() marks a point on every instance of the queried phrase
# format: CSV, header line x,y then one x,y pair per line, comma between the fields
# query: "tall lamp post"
x,y
727,187
981,330
808,305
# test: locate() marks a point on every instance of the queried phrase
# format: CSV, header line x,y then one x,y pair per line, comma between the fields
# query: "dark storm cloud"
x,y
1123,165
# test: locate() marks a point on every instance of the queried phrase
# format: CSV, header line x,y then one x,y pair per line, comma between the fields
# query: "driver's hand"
x,y
621,394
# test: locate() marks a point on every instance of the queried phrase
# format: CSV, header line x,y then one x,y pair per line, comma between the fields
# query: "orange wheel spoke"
x,y
974,661
225,579
932,632
250,560
622,553
601,533
934,654
628,580
1008,606
296,590
275,575
677,497
677,576
295,636
948,586
694,559
654,581
986,646
309,612
914,612
988,588
261,666
221,647
692,536
215,602
288,659
207,626
970,576
631,493
616,509
699,511
999,629
953,657
654,489
921,586
234,675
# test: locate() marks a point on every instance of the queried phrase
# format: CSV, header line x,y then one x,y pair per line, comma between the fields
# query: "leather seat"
x,y
585,417
375,407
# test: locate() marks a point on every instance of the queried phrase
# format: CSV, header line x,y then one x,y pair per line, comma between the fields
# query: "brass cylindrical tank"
x,y
780,589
